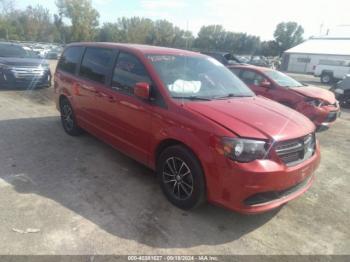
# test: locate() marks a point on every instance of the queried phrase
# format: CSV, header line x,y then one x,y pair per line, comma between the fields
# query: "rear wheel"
x,y
181,177
68,118
326,78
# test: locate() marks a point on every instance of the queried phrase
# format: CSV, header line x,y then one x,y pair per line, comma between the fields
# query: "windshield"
x,y
13,51
282,79
201,77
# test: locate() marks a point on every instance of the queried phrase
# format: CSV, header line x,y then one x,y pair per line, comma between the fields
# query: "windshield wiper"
x,y
192,98
231,95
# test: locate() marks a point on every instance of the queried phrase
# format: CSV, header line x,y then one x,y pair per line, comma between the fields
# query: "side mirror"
x,y
265,83
141,90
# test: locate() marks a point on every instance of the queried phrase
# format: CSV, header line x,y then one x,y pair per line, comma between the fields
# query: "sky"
x,y
256,17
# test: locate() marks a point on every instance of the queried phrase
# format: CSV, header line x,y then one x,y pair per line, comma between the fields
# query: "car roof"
x,y
253,67
144,49
215,53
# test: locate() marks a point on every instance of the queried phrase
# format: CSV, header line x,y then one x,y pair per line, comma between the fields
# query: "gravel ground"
x,y
65,195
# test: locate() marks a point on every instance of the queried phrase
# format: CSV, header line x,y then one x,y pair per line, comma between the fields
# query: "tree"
x,y
145,31
110,32
215,37
288,35
36,23
136,30
7,7
269,48
209,37
83,17
182,39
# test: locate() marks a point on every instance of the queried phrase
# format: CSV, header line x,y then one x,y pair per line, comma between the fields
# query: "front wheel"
x,y
181,177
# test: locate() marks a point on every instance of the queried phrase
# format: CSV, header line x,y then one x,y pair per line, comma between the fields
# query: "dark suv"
x,y
20,69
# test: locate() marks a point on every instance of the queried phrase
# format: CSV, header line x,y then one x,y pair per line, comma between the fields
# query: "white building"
x,y
303,58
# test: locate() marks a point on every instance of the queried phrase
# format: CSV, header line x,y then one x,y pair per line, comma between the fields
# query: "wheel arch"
x,y
168,142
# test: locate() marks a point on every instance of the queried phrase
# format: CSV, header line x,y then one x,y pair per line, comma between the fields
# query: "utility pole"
x,y
321,28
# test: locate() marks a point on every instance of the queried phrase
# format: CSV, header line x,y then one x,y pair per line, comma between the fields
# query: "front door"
x,y
127,118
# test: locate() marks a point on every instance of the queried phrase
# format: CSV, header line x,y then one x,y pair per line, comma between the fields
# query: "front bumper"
x,y
326,121
244,184
323,117
9,79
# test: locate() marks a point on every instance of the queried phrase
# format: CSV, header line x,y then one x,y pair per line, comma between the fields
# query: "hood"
x,y
316,92
16,61
255,117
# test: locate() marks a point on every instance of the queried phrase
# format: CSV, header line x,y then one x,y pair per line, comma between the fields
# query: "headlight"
x,y
315,102
244,150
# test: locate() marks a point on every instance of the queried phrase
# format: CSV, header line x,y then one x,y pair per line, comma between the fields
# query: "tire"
x,y
345,102
326,78
181,177
68,119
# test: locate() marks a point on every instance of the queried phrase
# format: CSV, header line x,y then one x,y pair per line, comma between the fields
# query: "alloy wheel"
x,y
177,178
67,116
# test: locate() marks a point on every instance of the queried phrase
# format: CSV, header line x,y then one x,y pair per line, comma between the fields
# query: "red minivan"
x,y
318,104
186,116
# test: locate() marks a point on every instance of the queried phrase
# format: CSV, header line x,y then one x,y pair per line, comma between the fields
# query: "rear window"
x,y
70,59
97,64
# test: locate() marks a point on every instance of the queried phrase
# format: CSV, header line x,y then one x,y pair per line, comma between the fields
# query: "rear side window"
x,y
70,59
127,72
97,64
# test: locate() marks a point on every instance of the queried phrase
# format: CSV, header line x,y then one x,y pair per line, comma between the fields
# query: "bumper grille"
x,y
295,151
29,72
265,197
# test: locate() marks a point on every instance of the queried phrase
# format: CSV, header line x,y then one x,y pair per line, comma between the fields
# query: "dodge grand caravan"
x,y
186,116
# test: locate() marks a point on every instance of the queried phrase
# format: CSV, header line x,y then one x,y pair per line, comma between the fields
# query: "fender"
x,y
186,137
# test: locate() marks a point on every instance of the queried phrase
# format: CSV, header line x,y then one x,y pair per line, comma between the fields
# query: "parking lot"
x,y
67,195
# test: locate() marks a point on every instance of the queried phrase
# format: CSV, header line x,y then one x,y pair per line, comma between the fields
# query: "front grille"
x,y
29,72
295,151
265,197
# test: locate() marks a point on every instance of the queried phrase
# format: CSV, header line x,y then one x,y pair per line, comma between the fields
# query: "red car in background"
x,y
318,104
187,117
